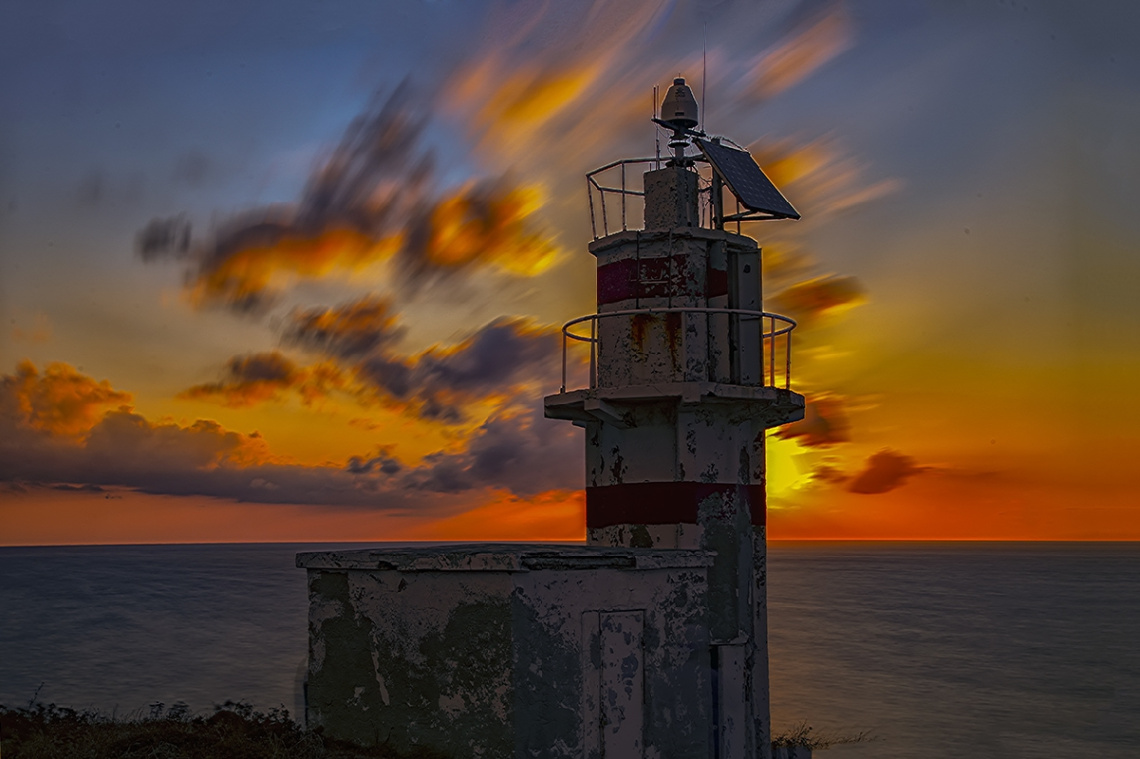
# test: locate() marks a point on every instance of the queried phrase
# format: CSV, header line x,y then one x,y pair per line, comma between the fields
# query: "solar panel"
x,y
755,191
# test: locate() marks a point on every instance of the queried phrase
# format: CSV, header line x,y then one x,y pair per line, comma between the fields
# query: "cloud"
x,y
830,474
825,423
259,377
65,436
127,450
164,238
883,472
509,358
813,299
502,358
820,175
375,199
383,462
515,451
526,89
60,401
347,331
805,49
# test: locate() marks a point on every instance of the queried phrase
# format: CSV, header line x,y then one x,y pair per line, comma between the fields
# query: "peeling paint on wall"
x,y
485,657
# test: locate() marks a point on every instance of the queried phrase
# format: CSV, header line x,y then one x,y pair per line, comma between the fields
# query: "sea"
x,y
934,650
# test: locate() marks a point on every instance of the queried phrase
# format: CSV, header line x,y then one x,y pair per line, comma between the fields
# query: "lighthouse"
x,y
650,641
687,373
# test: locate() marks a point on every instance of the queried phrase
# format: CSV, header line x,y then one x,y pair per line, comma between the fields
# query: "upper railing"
x,y
598,183
617,196
768,374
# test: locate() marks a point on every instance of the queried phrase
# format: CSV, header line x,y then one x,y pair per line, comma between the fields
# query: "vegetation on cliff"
x,y
233,731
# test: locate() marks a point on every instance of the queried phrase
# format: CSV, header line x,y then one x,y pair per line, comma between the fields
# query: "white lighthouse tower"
x,y
687,372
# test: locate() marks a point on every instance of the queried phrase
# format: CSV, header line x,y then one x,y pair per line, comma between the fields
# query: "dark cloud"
x,y
501,354
375,198
884,471
261,367
249,379
498,359
383,463
811,299
508,358
164,238
259,377
347,331
825,423
517,450
830,474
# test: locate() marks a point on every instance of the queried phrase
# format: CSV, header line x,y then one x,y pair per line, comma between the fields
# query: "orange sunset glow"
x,y
318,295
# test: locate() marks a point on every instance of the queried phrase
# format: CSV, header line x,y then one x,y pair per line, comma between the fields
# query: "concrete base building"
x,y
512,650
649,642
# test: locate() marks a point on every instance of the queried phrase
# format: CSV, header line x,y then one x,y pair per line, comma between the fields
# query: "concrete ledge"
x,y
503,557
617,239
775,405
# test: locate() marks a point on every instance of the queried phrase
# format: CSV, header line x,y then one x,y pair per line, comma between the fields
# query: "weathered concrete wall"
x,y
674,268
671,198
513,650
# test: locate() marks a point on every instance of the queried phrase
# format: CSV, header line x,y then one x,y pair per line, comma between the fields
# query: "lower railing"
x,y
768,342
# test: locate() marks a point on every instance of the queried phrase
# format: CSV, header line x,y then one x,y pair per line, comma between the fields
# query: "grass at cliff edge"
x,y
233,731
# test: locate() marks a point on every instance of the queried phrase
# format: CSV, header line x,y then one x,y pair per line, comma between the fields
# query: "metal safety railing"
x,y
598,180
768,342
612,181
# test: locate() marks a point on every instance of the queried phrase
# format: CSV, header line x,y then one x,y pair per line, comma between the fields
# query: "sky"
x,y
296,270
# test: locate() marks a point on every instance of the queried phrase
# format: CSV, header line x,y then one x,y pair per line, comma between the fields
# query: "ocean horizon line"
x,y
771,541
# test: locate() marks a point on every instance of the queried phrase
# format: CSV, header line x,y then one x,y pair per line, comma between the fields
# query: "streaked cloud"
x,y
376,199
884,471
812,299
501,358
825,423
820,174
258,377
807,47
518,450
508,359
353,329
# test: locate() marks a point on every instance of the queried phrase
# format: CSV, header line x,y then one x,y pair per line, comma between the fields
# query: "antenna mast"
x,y
704,69
656,129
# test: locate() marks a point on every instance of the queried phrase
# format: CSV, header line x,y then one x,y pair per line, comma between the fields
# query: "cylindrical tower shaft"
x,y
675,420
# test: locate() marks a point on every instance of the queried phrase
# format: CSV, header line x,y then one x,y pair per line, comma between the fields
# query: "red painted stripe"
x,y
626,280
664,502
617,281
